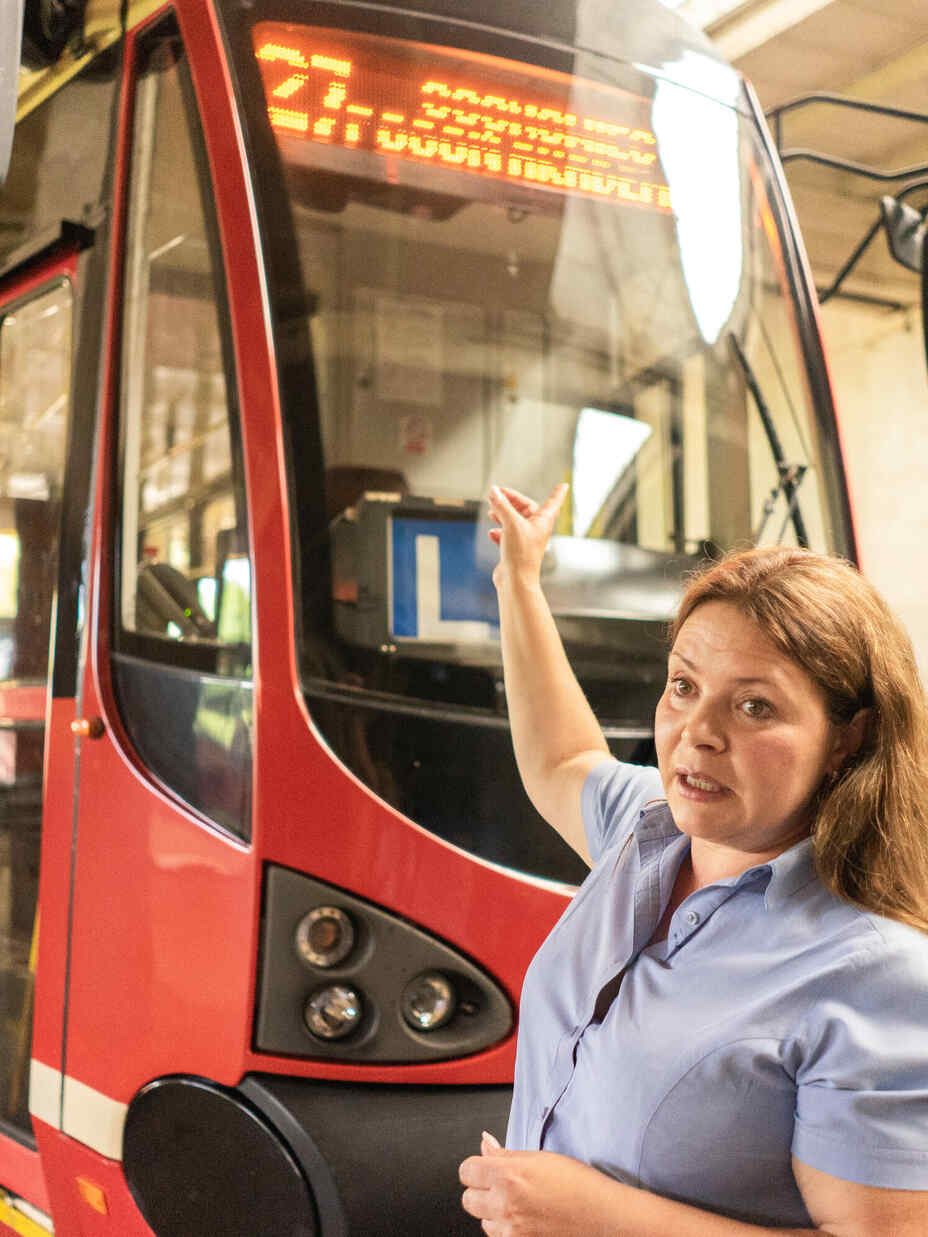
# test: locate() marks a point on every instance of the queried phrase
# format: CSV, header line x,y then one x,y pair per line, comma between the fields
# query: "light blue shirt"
x,y
774,1020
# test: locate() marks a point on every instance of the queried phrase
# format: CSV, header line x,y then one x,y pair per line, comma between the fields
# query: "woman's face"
x,y
743,738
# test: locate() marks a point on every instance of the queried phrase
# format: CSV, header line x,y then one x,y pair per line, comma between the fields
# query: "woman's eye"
x,y
681,687
756,708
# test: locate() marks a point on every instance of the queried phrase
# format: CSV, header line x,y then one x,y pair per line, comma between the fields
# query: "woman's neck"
x,y
713,861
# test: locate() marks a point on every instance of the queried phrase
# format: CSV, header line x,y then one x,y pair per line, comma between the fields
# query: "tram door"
x,y
35,365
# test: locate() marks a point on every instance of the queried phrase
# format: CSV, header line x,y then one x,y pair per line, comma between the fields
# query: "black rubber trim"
x,y
391,1153
90,307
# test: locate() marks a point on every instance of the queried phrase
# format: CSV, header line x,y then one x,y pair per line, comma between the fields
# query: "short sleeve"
x,y
862,1089
612,799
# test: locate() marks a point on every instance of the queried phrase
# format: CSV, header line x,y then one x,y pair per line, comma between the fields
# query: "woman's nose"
x,y
704,727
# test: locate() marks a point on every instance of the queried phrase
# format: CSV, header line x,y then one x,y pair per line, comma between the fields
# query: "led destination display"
x,y
471,113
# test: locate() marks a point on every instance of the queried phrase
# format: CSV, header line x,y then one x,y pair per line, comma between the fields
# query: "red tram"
x,y
284,286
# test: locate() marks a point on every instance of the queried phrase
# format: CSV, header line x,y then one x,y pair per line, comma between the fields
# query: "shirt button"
x,y
692,918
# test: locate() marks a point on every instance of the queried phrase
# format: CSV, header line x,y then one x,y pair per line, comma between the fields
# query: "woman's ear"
x,y
849,738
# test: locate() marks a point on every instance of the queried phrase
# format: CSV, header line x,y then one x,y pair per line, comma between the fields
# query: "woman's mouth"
x,y
697,785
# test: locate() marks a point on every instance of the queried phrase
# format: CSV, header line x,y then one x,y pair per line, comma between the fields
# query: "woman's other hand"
x,y
538,1194
523,532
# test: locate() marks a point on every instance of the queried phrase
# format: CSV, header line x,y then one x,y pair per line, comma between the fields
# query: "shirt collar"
x,y
656,831
789,872
655,821
780,877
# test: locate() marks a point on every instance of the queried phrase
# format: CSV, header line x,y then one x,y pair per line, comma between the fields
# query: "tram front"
x,y
343,266
512,244
555,251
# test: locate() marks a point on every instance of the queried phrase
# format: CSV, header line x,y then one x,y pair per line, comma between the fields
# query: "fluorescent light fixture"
x,y
698,142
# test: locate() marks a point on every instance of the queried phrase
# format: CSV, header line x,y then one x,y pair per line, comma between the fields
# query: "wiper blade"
x,y
790,475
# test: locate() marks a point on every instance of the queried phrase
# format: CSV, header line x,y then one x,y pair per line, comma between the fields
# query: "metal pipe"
x,y
861,105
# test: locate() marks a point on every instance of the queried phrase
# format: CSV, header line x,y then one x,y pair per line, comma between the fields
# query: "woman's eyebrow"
x,y
686,661
760,679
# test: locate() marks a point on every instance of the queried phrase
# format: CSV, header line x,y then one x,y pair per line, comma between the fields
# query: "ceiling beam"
x,y
746,26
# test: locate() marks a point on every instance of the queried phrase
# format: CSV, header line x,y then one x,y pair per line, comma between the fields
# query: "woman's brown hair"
x,y
870,831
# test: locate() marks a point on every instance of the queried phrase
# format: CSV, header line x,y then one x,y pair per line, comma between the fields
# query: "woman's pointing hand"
x,y
523,532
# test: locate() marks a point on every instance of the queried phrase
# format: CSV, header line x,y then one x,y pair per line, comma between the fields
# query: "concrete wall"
x,y
877,360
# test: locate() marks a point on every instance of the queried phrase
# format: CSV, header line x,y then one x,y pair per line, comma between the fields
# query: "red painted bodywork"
x,y
164,920
65,1161
25,702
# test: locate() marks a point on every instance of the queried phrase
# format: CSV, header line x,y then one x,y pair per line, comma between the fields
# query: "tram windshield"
x,y
513,275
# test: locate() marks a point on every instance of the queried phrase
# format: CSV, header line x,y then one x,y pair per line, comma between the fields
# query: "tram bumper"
x,y
305,1157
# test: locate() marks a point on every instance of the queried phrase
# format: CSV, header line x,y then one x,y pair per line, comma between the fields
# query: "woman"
x,y
726,1033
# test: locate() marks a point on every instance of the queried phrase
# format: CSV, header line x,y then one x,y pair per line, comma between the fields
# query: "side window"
x,y
182,665
35,367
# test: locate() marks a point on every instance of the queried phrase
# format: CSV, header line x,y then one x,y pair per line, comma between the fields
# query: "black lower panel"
x,y
201,1160
382,1161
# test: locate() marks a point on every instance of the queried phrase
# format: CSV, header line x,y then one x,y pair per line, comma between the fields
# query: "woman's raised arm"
x,y
556,736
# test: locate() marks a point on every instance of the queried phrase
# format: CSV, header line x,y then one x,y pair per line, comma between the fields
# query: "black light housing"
x,y
398,993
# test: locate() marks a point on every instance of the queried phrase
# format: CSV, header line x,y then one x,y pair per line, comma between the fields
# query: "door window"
x,y
182,667
35,366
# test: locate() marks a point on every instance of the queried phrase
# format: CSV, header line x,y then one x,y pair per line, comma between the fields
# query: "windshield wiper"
x,y
790,475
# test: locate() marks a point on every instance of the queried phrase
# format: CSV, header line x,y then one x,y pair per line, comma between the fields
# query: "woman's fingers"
x,y
470,1201
474,1172
524,528
476,1199
555,500
522,503
499,504
525,506
505,495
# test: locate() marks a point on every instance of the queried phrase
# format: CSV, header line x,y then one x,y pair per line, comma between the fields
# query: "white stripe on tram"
x,y
77,1110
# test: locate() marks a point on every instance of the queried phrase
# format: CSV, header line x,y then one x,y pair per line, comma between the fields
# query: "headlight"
x,y
324,937
428,1001
333,1012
